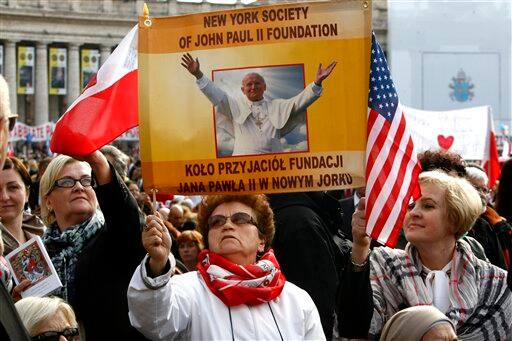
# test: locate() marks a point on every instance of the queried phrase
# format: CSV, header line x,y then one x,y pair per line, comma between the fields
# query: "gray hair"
x,y
35,310
118,158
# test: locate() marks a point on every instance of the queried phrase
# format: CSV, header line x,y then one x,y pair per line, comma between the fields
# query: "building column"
x,y
104,53
107,6
41,88
73,73
10,72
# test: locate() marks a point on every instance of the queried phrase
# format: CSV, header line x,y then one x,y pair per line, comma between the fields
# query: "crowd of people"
x,y
281,266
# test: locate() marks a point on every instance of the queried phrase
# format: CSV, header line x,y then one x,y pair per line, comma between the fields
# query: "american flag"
x,y
391,165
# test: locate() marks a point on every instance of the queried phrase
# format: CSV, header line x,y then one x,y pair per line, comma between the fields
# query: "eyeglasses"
x,y
70,182
239,218
68,333
483,189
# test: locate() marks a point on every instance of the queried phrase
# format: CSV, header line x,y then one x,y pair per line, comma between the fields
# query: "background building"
x,y
448,55
49,49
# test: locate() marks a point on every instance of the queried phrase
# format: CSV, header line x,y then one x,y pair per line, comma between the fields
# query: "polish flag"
x,y
491,158
106,108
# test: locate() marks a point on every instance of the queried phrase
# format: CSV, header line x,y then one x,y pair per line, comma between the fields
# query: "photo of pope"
x,y
256,123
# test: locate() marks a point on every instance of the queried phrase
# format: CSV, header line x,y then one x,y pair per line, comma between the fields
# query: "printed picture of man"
x,y
256,122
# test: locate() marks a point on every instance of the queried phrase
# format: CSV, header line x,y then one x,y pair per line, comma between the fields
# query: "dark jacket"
x,y
488,236
11,327
309,248
355,303
106,265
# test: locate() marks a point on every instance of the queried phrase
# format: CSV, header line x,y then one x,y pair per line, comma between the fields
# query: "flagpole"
x,y
145,14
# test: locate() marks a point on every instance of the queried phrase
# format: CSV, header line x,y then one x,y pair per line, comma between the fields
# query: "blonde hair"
x,y
34,311
463,203
49,177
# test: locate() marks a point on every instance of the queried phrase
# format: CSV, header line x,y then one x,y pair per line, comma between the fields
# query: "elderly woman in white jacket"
x,y
238,291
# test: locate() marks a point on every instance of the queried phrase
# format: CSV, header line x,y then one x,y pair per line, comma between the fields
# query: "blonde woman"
x,y
93,252
436,268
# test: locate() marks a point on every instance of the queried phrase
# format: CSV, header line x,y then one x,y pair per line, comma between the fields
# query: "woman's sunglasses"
x,y
239,218
68,333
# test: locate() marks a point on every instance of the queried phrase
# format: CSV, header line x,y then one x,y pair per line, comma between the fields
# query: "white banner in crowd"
x,y
25,132
465,132
44,132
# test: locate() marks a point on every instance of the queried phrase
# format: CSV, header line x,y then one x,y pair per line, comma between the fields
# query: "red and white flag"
x,y
107,107
491,157
392,167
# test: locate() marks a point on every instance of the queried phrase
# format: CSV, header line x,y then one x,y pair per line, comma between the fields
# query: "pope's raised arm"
x,y
322,74
192,65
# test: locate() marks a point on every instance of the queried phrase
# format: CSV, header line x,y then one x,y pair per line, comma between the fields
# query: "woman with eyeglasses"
x,y
94,252
238,291
18,226
48,319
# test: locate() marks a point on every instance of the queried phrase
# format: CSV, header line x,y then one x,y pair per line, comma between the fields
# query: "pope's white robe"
x,y
239,116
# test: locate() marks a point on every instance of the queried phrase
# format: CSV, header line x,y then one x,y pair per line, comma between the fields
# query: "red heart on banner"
x,y
445,142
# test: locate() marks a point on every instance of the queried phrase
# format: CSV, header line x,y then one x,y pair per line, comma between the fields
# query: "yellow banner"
x,y
281,104
57,75
89,65
26,72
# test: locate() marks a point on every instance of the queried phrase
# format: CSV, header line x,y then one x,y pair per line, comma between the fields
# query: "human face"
x,y
57,323
72,205
426,220
13,195
482,189
238,243
253,87
188,251
134,189
175,216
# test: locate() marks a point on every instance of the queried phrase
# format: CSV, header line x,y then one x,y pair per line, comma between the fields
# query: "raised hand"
x,y
157,242
192,65
322,74
361,242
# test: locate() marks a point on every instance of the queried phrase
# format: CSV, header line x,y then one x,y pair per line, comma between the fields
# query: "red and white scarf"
x,y
235,284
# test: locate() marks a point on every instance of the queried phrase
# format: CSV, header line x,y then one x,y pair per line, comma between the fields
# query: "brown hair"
x,y
191,236
443,160
15,164
258,202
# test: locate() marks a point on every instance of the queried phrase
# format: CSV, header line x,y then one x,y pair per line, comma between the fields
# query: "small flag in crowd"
x,y
392,167
107,107
491,159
